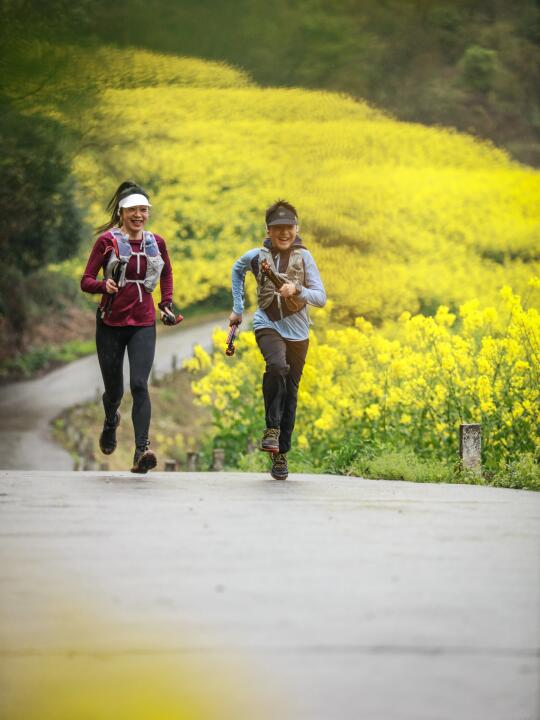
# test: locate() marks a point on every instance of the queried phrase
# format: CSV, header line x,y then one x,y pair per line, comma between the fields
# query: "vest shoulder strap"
x,y
121,244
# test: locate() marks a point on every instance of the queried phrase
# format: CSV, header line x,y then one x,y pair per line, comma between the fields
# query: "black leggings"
x,y
284,365
111,344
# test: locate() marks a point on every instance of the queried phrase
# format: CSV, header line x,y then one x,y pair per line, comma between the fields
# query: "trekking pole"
x,y
230,349
279,281
110,299
271,275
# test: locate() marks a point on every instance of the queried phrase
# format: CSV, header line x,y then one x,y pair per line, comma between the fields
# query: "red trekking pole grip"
x,y
230,349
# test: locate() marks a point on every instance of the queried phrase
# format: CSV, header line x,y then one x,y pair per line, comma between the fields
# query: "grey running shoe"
x,y
280,467
143,460
270,440
107,439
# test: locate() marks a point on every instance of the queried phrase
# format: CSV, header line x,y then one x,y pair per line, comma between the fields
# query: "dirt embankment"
x,y
73,323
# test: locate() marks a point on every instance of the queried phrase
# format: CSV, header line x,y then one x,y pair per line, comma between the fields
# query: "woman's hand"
x,y
235,319
111,286
287,290
168,314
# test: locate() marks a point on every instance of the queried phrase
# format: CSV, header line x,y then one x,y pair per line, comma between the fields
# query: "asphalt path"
x,y
27,408
321,597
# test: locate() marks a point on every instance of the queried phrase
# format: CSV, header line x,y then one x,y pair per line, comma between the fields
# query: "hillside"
x,y
400,216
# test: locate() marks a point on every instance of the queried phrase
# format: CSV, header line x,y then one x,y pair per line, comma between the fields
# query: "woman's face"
x,y
134,219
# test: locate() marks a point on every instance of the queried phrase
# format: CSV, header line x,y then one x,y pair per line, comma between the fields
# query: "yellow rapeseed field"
x,y
411,389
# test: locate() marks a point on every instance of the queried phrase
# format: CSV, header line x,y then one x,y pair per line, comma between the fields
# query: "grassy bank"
x,y
405,465
178,425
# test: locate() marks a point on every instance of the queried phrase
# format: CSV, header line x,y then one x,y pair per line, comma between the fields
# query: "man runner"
x,y
287,281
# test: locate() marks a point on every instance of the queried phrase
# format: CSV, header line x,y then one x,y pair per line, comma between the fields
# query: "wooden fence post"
x,y
170,465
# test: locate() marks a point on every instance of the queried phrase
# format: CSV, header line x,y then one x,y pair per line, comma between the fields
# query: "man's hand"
x,y
288,289
111,287
235,319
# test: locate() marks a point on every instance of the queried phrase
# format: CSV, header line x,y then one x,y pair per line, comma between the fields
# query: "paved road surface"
x,y
318,598
27,408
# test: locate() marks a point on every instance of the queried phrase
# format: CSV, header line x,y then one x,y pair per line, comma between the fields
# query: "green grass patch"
x,y
523,473
404,465
44,358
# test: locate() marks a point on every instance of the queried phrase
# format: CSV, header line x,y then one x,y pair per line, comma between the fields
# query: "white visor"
x,y
133,201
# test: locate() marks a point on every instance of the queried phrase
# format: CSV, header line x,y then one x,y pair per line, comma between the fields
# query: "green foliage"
x,y
523,473
478,67
55,17
41,220
40,209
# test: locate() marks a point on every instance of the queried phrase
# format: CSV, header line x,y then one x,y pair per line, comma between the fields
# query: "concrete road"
x,y
27,408
317,598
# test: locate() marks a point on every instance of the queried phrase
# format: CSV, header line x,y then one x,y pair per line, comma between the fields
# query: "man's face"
x,y
282,236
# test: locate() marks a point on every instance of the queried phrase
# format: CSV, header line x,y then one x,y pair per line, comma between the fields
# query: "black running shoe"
x,y
270,440
107,439
143,460
280,467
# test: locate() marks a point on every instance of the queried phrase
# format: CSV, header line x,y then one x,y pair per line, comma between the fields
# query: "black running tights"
x,y
111,344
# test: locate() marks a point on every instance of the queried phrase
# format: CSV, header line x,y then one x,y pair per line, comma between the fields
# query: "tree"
x,y
40,219
478,68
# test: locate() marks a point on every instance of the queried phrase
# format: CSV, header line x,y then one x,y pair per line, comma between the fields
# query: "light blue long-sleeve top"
x,y
291,327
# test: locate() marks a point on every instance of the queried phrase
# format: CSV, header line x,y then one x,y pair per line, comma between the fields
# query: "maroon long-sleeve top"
x,y
127,308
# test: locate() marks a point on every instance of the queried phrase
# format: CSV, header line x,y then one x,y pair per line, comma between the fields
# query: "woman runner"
x,y
133,261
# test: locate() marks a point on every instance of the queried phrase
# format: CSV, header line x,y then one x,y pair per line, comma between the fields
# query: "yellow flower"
x,y
517,410
373,411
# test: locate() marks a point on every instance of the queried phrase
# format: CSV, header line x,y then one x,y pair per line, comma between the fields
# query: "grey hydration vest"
x,y
266,290
122,252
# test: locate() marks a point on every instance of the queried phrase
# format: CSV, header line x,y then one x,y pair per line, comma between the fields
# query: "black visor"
x,y
282,216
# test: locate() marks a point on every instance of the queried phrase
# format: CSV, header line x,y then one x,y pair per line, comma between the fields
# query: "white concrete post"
x,y
219,459
192,461
470,447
